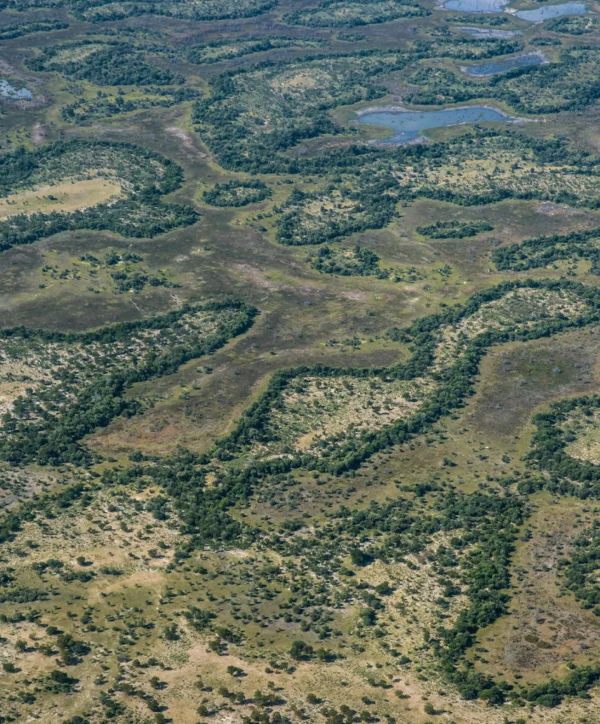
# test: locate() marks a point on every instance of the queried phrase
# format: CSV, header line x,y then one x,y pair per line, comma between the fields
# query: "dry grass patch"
x,y
68,195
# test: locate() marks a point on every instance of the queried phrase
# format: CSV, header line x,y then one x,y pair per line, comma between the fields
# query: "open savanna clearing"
x,y
66,196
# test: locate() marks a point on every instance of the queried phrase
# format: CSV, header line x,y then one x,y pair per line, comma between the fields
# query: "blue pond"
x,y
494,67
573,7
9,91
407,125
491,32
476,6
551,11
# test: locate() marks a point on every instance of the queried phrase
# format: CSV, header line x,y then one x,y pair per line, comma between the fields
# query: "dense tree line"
x,y
454,229
422,335
581,568
18,30
228,50
473,19
573,25
370,206
128,217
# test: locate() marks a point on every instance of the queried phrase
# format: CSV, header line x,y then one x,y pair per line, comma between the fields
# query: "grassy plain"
x,y
66,196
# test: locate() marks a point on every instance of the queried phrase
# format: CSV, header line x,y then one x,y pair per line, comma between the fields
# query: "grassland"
x,y
338,13
68,196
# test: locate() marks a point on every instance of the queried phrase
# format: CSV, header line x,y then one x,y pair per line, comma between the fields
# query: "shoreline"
x,y
400,109
422,138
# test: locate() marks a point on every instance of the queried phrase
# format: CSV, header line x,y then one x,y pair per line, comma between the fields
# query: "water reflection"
x,y
408,125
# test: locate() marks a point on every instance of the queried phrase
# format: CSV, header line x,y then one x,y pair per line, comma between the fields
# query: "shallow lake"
x,y
574,7
491,32
551,11
408,125
476,6
9,91
493,67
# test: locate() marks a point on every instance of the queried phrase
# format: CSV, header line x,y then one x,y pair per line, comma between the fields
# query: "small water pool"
x,y
476,6
408,125
491,33
552,11
494,67
545,12
9,91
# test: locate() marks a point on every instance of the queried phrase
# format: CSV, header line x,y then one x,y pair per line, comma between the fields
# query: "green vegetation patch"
x,y
449,46
103,63
237,193
130,217
487,166
313,218
475,19
184,9
56,388
130,166
229,49
341,261
574,24
349,13
132,178
349,36
347,262
581,429
454,229
107,105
